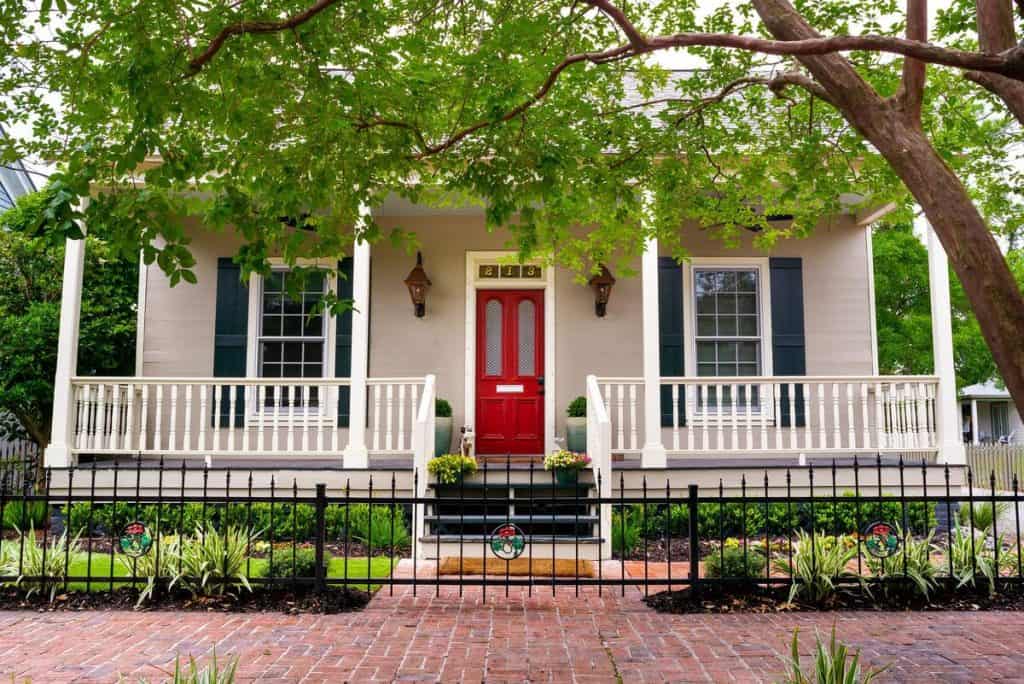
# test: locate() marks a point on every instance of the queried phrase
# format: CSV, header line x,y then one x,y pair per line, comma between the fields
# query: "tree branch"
x,y
243,27
996,34
635,37
911,92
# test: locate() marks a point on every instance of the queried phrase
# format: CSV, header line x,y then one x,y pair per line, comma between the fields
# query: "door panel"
x,y
510,372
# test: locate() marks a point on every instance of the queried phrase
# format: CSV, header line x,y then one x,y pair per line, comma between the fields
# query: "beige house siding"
x,y
179,322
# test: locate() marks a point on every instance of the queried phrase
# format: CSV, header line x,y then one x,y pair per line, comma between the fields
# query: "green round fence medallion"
x,y
881,540
508,542
136,540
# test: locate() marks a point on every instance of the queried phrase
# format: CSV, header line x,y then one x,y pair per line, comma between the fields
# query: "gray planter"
x,y
442,436
576,434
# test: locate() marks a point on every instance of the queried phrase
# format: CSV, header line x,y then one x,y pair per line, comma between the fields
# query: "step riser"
x,y
562,550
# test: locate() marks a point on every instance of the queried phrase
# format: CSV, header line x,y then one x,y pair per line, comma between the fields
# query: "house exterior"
x,y
733,354
989,415
15,181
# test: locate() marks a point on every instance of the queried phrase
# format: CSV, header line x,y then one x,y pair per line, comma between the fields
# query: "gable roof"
x,y
984,390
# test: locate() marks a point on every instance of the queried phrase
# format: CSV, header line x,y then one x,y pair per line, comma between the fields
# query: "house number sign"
x,y
509,271
881,540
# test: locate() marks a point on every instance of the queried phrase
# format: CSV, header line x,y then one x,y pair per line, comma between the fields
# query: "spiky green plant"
x,y
971,559
160,562
35,565
985,514
833,664
818,561
211,673
913,562
211,560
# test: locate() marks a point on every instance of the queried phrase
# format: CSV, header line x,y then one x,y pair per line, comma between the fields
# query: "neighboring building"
x,y
989,415
15,181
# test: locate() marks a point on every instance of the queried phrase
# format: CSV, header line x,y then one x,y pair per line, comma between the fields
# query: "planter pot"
x,y
576,434
442,436
567,477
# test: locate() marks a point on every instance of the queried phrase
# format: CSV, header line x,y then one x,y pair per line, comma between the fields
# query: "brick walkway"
x,y
538,639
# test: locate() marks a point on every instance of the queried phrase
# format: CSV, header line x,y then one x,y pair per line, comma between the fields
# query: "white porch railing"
x,y
599,448
799,414
236,416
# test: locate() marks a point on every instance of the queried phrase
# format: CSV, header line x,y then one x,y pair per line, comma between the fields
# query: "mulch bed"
x,y
776,601
334,600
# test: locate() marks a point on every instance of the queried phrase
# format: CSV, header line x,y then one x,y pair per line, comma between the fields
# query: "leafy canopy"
x,y
440,102
31,269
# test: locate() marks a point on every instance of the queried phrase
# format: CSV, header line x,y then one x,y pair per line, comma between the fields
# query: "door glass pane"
x,y
527,338
492,333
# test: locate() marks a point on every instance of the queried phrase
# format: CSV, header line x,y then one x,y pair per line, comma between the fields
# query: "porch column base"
x,y
355,457
57,456
653,456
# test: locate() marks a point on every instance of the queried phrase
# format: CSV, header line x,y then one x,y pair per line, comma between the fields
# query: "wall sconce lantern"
x,y
418,284
602,286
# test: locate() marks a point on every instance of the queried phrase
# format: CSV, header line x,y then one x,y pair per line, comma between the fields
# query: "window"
x,y
492,330
1000,419
728,333
292,336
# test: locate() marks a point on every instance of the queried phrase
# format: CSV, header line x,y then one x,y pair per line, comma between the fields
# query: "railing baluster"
x,y
158,418
808,414
101,418
675,416
389,411
837,432
115,417
822,431
400,444
880,440
632,417
777,403
144,419
129,428
792,415
232,393
851,428
218,398
921,415
173,420
690,399
749,396
275,419
304,388
734,430
702,402
376,416
621,431
865,428
187,429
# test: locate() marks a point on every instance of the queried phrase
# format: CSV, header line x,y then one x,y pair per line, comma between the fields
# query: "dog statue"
x,y
466,442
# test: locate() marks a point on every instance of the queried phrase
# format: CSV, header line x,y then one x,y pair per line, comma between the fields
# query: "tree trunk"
x,y
973,252
996,300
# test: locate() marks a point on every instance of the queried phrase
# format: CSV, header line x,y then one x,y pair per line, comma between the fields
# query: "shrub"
x,y
211,560
832,665
984,515
626,529
211,673
24,557
302,565
373,525
450,468
818,561
442,409
914,562
20,514
971,560
731,562
577,408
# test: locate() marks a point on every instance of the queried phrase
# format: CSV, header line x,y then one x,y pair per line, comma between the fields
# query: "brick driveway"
x,y
538,639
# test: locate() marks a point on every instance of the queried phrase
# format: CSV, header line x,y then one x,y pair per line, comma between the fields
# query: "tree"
x,y
30,269
904,312
283,114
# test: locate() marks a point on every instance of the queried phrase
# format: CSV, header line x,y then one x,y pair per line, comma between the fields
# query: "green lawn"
x,y
99,571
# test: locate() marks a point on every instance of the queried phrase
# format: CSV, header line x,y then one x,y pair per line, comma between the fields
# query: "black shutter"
x,y
343,340
230,337
789,350
670,333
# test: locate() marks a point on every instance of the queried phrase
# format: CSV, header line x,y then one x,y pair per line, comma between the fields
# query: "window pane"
x,y
705,326
726,326
272,351
291,326
492,333
271,303
706,370
748,326
705,352
292,370
292,352
746,281
728,281
272,326
527,337
726,303
726,351
727,306
748,351
290,306
314,326
273,282
746,304
705,304
313,352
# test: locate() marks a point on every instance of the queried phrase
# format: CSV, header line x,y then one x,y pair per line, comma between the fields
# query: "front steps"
x,y
558,521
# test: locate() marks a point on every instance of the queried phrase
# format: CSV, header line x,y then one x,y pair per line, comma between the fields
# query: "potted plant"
x,y
451,468
576,425
567,465
442,427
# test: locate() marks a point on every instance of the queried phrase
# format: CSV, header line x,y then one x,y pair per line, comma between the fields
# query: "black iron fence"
x,y
806,531
18,463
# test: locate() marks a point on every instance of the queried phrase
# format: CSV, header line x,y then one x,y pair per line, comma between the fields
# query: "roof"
x,y
15,181
984,390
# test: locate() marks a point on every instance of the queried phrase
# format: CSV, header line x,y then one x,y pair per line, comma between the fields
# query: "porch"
x,y
382,414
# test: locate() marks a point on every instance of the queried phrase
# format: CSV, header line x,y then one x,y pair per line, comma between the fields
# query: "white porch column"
x,y
653,454
355,454
58,453
975,433
947,409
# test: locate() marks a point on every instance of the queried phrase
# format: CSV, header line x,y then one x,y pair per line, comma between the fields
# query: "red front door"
x,y
510,372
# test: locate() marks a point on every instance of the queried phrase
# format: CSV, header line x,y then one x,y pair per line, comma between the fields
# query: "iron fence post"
x,y
694,543
321,537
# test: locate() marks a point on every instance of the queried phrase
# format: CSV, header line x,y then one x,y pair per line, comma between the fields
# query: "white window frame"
x,y
327,412
760,413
